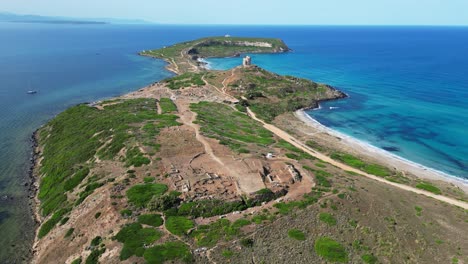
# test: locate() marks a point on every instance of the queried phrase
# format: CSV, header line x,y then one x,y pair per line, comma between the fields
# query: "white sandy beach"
x,y
383,156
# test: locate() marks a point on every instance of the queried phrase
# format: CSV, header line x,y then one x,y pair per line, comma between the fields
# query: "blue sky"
x,y
315,12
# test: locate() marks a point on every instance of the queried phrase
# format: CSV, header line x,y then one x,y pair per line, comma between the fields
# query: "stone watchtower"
x,y
247,61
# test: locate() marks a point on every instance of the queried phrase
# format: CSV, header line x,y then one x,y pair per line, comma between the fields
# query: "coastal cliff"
x,y
193,169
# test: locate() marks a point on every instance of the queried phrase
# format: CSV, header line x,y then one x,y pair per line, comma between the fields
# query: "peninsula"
x,y
215,167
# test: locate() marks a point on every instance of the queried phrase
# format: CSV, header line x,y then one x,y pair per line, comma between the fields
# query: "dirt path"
x,y
210,85
282,134
226,79
158,107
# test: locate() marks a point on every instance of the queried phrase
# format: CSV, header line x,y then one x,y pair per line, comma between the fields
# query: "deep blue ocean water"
x,y
408,89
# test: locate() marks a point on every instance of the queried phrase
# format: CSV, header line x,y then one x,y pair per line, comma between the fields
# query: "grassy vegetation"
x,y
330,250
218,47
168,251
148,179
307,199
320,177
247,242
178,225
355,162
314,145
185,80
428,187
167,106
77,261
223,229
296,234
327,218
93,258
232,128
227,253
69,232
270,95
126,212
141,194
134,238
298,153
134,157
418,210
151,219
96,241
76,179
370,259
51,223
73,138
208,208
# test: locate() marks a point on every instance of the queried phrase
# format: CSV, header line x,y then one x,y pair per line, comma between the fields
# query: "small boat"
x,y
31,92
334,107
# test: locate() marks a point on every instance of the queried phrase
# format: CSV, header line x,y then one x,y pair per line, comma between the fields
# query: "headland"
x,y
213,167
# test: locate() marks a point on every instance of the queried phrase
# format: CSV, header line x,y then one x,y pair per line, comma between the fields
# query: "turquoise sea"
x,y
408,89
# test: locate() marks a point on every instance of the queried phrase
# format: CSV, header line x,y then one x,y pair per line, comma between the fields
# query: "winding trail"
x,y
226,79
282,134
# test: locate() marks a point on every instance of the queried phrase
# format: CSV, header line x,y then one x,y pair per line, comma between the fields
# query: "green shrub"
x,y
178,225
227,253
330,250
64,220
141,194
222,229
96,241
164,202
151,219
168,251
93,258
69,232
76,179
370,259
149,179
135,158
97,215
247,242
322,181
77,261
355,162
428,187
167,106
135,237
418,210
296,234
51,223
208,208
126,212
240,223
327,218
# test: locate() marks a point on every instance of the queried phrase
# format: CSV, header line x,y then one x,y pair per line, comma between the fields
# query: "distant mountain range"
x,y
11,17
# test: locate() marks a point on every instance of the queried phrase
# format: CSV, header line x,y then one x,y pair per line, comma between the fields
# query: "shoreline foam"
x,y
384,156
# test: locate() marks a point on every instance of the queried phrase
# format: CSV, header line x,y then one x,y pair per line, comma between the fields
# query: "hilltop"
x,y
184,57
206,167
